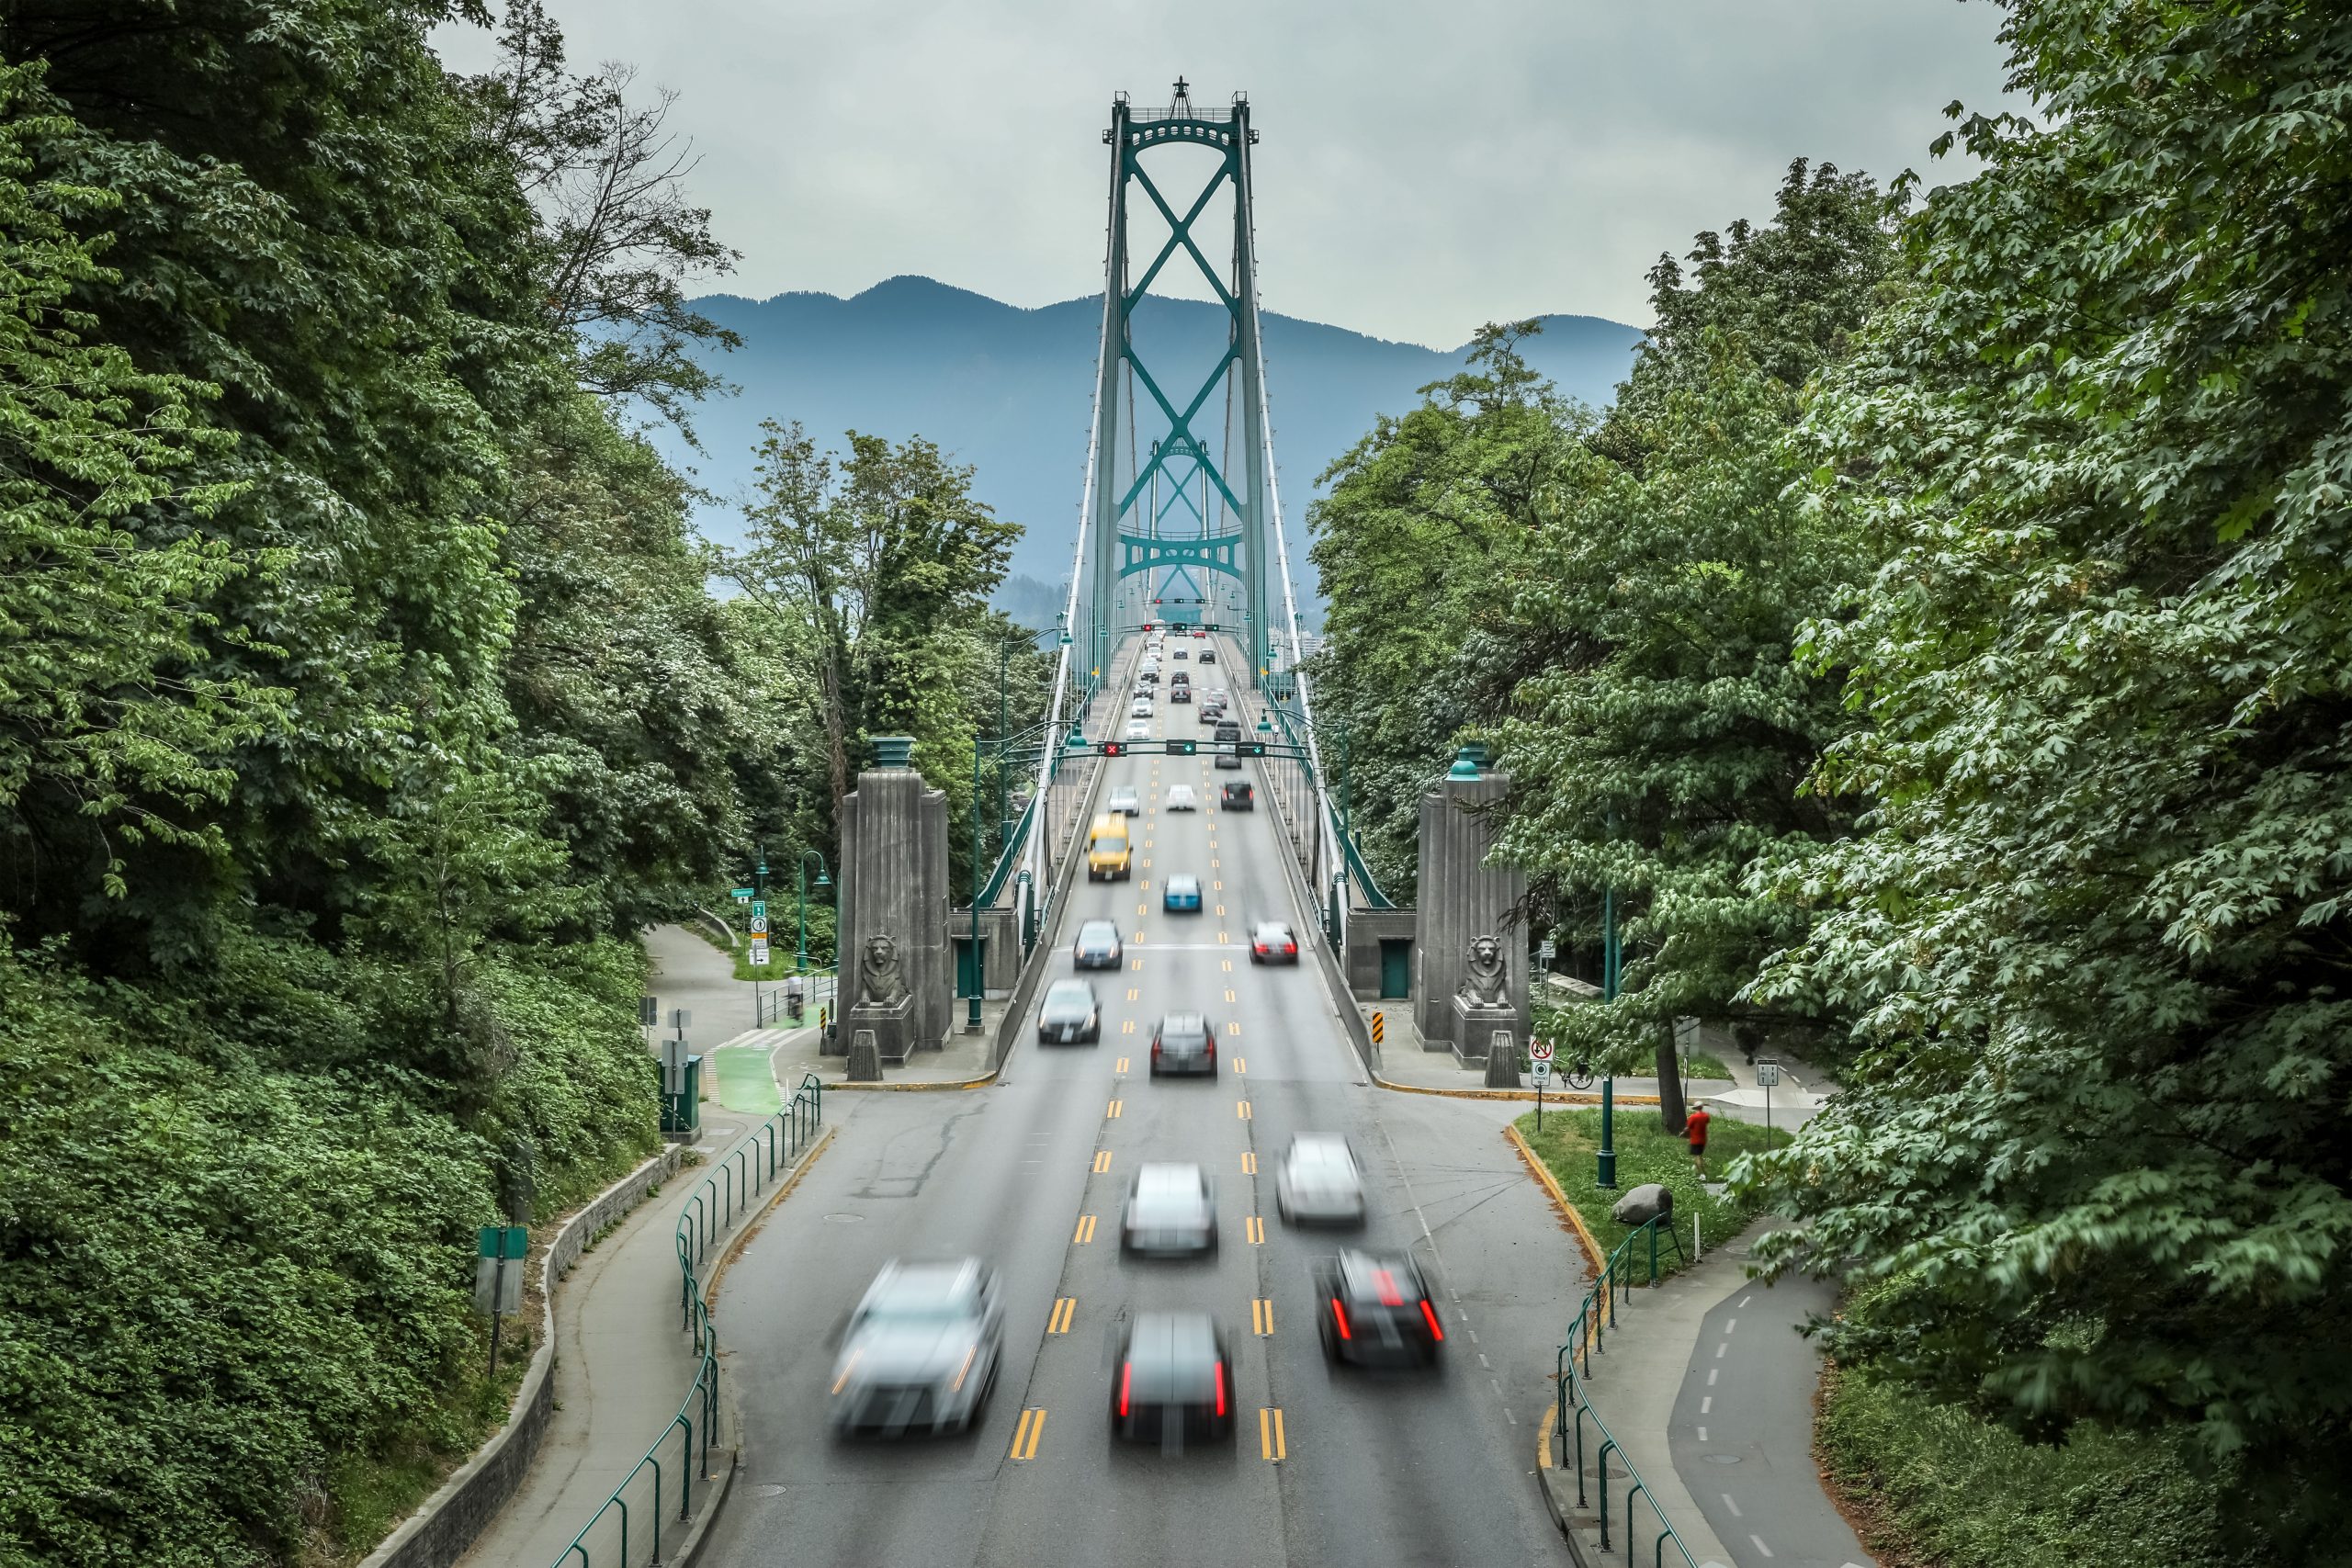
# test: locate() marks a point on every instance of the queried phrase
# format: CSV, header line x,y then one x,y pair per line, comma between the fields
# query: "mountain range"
x,y
1009,389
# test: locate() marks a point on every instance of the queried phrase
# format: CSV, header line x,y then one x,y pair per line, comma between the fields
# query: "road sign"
x,y
1539,1051
1545,951
503,1241
759,952
759,926
742,895
1379,1027
759,906
1541,1068
680,1018
1768,1073
673,1066
648,1011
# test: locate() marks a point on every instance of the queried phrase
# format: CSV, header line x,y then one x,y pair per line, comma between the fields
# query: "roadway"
x,y
1327,1465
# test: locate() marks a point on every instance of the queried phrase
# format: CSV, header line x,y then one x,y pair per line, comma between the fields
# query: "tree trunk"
x,y
1671,1113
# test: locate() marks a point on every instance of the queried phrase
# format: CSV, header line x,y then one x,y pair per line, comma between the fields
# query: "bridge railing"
x,y
736,1179
1587,1335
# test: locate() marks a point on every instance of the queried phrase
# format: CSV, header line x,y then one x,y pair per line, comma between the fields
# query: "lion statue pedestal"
x,y
1487,1027
884,1010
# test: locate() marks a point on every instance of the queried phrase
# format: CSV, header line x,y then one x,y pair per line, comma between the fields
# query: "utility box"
x,y
682,1111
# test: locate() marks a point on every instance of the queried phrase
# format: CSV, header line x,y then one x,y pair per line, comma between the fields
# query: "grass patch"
x,y
1938,1488
1646,1153
1704,1065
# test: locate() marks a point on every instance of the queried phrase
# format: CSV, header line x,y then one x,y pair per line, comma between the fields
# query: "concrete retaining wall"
x,y
446,1528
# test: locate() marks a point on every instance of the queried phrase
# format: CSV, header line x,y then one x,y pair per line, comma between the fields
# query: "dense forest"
x,y
1943,648
362,694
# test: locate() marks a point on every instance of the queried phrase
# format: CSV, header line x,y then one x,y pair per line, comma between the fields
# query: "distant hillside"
x,y
1008,389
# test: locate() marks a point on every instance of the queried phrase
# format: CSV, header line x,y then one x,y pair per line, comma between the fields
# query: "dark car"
x,y
1237,796
1376,1310
1068,1013
1097,946
1172,1380
1228,730
1208,656
1184,1043
921,1352
1273,942
1229,755
1169,1213
1180,694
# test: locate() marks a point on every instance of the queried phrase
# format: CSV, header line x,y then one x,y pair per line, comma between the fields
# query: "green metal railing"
x,y
1587,1335
736,1178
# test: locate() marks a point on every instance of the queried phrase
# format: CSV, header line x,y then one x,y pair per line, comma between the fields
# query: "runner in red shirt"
x,y
1696,1130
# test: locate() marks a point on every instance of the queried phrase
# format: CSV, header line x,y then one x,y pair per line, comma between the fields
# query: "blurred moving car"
x,y
1180,797
1271,942
1237,796
1123,800
1184,1043
922,1351
1139,708
1109,851
1318,1181
1169,1213
1097,946
1138,729
1069,1014
1172,1380
1376,1312
1180,694
1181,895
1182,654
1228,754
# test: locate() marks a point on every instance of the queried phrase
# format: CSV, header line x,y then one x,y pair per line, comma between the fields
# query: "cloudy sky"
x,y
1424,165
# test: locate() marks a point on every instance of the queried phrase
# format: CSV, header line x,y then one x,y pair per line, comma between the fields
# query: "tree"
x,y
2097,1168
873,564
1660,749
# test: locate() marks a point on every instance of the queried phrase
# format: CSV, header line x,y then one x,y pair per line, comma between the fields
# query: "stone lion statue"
x,y
880,980
1486,982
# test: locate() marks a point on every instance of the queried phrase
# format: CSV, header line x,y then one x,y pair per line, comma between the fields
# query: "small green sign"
x,y
503,1241
742,895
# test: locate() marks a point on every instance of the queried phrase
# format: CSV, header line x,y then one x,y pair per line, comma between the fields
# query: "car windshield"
x,y
1273,931
1320,1156
1184,1028
1098,934
1184,885
1067,994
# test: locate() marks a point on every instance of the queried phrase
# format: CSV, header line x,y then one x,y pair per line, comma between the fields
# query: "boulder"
x,y
1644,1203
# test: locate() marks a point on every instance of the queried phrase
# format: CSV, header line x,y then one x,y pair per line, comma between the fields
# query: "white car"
x,y
1138,729
1318,1181
1180,797
1124,801
1139,708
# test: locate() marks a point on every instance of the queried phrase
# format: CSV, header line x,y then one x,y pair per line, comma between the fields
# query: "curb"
x,y
887,1087
1575,1098
1592,1252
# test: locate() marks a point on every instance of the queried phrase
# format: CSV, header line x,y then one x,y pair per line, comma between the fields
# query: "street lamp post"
x,y
822,881
1605,1176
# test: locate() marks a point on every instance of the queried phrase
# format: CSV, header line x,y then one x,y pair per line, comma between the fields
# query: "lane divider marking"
x,y
1240,1065
1114,1109
1101,1160
1123,1063
1233,1026
1254,1227
1262,1317
1249,1164
1269,1435
1227,962
1026,1435
1086,1222
1129,1027
1064,1310
1228,994
1134,994
1241,1110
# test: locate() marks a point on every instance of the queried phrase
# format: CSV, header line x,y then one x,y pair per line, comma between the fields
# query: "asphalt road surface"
x,y
1327,1465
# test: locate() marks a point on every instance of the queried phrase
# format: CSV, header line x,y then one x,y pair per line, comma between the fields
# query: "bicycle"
x,y
1579,1073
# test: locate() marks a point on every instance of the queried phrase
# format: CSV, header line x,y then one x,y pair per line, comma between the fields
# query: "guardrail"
x,y
736,1178
819,990
1587,1335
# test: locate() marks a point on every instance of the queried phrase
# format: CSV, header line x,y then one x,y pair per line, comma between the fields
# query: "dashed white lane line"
x,y
1743,1302
1730,1323
1732,1506
1720,1348
1759,1544
1702,1434
1706,1405
1711,1375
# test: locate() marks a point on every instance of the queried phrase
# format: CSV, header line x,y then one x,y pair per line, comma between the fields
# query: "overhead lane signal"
x,y
1183,747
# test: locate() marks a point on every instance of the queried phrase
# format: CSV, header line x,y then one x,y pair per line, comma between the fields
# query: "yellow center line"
x,y
1254,1228
1101,1160
1129,1027
1262,1317
1133,994
1241,1110
1064,1311
1123,1063
1220,909
1227,962
1233,1027
1249,1164
1240,1065
1114,1109
1228,994
1025,1435
1086,1222
1269,1435
1139,963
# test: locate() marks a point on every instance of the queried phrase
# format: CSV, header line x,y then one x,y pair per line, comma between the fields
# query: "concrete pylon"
x,y
1462,899
894,883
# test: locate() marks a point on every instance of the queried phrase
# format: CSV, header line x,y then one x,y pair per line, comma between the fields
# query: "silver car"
x,y
1318,1181
1169,1213
921,1352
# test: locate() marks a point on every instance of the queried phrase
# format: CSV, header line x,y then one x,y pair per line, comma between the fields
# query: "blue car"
x,y
1182,895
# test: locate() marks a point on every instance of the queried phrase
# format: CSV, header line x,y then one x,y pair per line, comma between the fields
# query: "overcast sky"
x,y
1424,165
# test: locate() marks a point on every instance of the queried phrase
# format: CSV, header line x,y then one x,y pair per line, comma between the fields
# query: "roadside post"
x,y
1538,1060
498,1276
1768,1073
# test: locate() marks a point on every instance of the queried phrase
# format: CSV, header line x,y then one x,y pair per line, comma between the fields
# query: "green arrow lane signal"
x,y
1253,748
1181,748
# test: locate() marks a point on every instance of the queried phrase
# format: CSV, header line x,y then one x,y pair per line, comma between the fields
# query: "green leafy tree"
x,y
2097,934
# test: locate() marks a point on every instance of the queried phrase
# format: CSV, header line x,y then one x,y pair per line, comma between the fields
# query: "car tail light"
x,y
1289,947
1429,1316
1127,1384
1155,1050
1211,1050
1340,1318
1220,1388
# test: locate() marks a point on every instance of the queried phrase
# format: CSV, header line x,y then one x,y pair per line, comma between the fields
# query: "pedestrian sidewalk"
x,y
759,1065
1723,1441
622,1365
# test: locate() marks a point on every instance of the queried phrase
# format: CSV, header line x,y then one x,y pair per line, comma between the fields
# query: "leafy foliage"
x,y
2097,932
